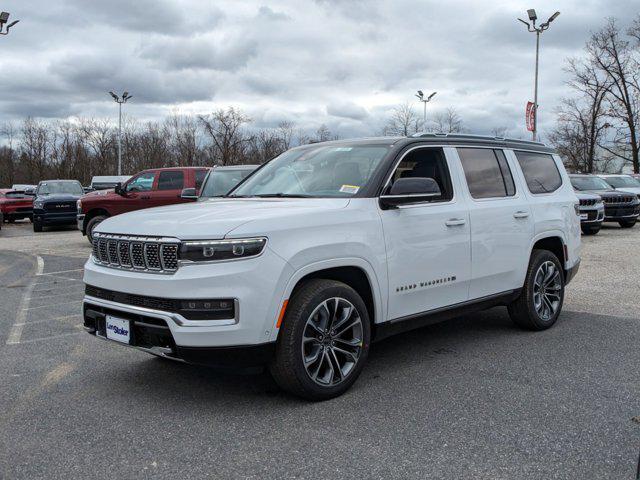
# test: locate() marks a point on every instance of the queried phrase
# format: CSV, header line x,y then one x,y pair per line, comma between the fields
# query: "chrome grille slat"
x,y
149,254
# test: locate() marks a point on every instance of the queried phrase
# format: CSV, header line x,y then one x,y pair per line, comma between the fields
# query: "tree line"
x,y
85,147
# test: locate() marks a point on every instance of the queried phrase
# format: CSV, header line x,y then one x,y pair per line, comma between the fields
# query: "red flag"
x,y
530,116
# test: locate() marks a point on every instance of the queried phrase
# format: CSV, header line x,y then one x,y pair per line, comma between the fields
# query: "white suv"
x,y
333,245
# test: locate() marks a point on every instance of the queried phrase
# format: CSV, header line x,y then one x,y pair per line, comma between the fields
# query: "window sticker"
x,y
352,189
343,149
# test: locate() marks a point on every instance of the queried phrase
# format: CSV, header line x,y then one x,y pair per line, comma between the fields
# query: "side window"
x,y
200,174
141,183
487,172
171,180
540,171
426,163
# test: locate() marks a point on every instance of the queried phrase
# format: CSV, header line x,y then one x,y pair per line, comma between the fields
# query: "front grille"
x,y
151,254
588,202
619,200
60,207
217,309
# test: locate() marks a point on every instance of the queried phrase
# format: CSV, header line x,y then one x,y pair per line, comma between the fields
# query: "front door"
x,y
427,243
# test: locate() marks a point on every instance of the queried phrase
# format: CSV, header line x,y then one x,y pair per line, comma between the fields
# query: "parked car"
x,y
591,212
55,203
623,183
107,182
149,188
15,205
620,207
332,245
22,187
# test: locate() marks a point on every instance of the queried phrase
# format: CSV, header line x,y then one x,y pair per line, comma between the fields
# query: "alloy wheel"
x,y
332,341
547,290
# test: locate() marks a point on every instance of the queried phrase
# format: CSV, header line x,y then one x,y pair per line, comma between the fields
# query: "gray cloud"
x,y
344,63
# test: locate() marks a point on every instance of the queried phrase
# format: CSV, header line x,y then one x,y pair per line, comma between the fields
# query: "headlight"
x,y
220,250
38,204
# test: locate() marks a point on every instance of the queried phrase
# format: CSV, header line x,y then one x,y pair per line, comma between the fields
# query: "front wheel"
x,y
37,227
540,303
93,223
323,342
590,230
628,223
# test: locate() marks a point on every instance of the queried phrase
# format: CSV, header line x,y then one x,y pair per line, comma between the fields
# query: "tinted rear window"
x,y
487,173
171,180
540,171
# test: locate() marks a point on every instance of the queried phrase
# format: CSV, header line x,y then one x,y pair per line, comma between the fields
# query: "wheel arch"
x,y
553,242
355,272
94,212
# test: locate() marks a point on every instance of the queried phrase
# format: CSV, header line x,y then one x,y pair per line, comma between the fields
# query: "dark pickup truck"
x,y
154,188
55,203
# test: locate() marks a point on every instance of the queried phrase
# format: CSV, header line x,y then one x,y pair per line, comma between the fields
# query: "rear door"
x,y
168,188
427,243
501,219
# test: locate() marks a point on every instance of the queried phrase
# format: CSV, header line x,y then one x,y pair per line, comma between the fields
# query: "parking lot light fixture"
x,y
4,18
120,100
424,100
531,27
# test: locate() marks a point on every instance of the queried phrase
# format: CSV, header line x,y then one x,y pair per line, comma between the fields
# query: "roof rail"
x,y
469,136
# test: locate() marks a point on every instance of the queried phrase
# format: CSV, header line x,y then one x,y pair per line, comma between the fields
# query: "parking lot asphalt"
x,y
470,398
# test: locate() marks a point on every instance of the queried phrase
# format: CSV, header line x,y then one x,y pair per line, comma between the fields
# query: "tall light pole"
x,y
4,18
424,100
531,27
120,101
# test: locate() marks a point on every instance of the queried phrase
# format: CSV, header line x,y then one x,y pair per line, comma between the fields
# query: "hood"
x,y
215,218
58,197
635,190
588,196
98,193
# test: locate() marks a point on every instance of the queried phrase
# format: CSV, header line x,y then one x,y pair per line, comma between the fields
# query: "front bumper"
x,y
17,213
618,213
257,286
151,334
80,222
594,216
49,218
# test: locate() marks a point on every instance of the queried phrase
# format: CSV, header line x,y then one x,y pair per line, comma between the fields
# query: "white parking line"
x,y
15,334
61,271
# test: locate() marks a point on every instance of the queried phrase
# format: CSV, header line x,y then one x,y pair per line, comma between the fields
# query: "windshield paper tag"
x,y
343,149
352,189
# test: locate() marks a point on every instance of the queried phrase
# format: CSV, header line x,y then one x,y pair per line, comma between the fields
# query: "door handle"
x,y
521,214
454,222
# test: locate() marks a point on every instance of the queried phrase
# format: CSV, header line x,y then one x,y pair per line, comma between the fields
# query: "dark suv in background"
x,y
620,207
55,203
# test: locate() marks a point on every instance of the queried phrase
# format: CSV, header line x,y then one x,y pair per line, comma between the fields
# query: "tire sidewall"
x,y
539,257
93,223
294,325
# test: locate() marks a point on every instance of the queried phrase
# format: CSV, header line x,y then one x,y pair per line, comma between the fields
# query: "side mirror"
x,y
410,190
189,194
87,189
118,189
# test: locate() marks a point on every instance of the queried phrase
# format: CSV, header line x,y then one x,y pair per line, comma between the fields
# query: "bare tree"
x,y
499,131
224,127
613,54
448,121
403,122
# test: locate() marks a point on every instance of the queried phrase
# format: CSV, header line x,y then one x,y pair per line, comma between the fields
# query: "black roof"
x,y
446,139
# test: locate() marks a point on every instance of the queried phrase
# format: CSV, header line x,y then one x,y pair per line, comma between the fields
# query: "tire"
x,y
37,227
93,223
590,230
523,311
11,220
306,316
627,223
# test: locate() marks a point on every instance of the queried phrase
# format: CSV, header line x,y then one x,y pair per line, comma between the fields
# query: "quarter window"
x,y
540,172
426,163
487,172
171,180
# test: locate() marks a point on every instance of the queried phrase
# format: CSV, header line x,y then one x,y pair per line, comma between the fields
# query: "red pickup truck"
x,y
149,188
15,205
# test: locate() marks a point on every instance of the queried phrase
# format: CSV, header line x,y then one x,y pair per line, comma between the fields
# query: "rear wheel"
x,y
627,223
93,223
540,303
37,227
323,342
590,230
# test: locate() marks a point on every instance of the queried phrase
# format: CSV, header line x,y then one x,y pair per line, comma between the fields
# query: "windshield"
x,y
71,188
220,182
589,183
319,171
622,182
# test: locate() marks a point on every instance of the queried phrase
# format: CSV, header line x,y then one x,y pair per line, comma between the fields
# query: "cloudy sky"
x,y
344,63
